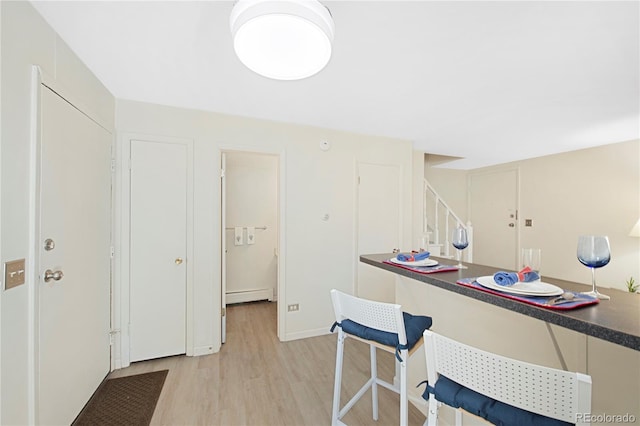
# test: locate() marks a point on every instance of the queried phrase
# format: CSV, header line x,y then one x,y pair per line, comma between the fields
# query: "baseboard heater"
x,y
250,295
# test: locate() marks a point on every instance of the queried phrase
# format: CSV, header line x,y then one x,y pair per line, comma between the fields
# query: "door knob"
x,y
178,261
511,225
51,275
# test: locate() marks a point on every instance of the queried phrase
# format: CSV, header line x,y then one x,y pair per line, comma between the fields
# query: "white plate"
x,y
534,288
423,262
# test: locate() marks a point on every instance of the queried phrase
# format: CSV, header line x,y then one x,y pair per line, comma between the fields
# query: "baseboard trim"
x,y
307,333
249,295
202,350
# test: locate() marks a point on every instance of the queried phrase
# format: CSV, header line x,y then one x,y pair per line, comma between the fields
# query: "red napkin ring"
x,y
522,272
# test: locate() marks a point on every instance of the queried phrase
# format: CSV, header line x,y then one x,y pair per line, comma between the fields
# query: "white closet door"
x,y
158,247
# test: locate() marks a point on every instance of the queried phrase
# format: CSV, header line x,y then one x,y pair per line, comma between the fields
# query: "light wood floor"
x,y
257,380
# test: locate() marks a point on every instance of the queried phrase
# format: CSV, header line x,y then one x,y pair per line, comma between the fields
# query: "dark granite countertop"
x,y
616,320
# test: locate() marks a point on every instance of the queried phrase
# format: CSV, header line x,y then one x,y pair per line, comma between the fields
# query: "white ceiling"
x,y
490,82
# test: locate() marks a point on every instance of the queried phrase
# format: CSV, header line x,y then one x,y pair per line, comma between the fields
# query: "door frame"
x,y
121,287
282,198
39,79
223,247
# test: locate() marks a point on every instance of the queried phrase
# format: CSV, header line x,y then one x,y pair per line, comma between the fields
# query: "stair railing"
x,y
442,216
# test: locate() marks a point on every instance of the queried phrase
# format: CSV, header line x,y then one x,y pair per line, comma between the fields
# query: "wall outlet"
x,y
528,222
293,307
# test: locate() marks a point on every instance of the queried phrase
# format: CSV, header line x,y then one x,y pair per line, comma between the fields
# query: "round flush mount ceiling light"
x,y
283,40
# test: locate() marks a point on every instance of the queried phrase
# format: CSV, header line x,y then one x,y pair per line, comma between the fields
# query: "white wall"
x,y
251,200
320,255
588,191
27,40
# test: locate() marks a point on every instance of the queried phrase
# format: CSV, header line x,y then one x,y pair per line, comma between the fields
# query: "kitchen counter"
x,y
616,320
601,340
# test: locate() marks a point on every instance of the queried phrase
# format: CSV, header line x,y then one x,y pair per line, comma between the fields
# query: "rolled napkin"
x,y
510,278
412,257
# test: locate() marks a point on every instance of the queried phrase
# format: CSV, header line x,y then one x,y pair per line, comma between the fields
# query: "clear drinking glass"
x,y
531,257
594,252
460,242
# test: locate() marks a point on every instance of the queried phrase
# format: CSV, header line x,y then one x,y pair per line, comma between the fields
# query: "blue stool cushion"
x,y
475,403
414,326
455,395
504,415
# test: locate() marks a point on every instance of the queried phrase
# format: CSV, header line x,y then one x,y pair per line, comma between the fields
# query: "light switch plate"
x,y
14,273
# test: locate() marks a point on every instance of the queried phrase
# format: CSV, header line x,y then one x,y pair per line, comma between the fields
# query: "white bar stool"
x,y
380,325
501,390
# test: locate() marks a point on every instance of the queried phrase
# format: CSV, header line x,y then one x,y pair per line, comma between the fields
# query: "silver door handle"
x,y
51,275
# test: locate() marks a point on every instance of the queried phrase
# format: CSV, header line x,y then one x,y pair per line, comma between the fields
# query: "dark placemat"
x,y
541,301
425,269
128,400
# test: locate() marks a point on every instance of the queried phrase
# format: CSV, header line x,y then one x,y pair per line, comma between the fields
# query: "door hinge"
x,y
113,165
221,173
224,312
113,252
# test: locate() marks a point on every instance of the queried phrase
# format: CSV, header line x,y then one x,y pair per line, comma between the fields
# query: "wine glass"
x,y
594,252
460,241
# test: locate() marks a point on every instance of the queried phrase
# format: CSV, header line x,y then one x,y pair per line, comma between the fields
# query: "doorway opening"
x,y
250,228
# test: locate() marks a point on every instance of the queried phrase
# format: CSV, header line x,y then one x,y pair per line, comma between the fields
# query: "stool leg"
x,y
432,417
374,381
338,379
404,406
458,417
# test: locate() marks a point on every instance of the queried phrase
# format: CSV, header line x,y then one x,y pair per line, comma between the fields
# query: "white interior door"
x,y
379,226
493,212
74,303
158,249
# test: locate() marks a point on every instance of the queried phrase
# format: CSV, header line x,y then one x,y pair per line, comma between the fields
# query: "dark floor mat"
x,y
123,401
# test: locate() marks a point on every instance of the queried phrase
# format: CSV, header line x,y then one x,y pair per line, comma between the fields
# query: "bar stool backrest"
x,y
546,391
377,315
